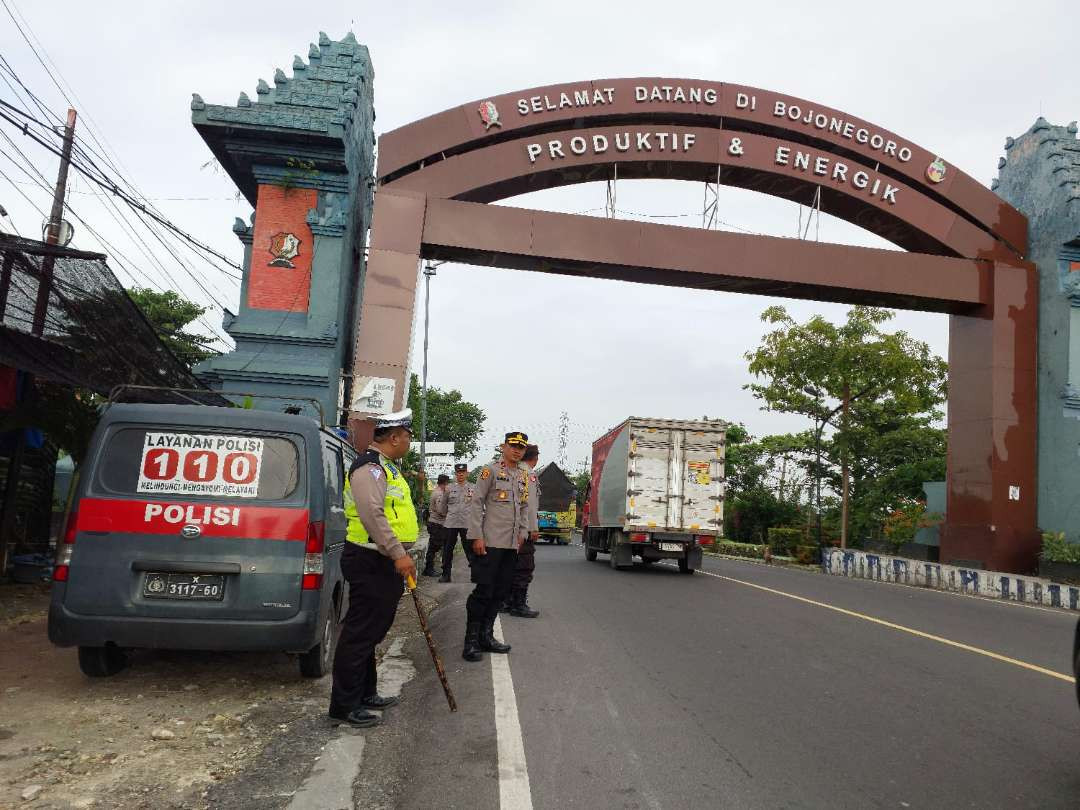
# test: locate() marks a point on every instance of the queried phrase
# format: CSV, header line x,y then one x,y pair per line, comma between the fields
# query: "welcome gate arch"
x,y
965,246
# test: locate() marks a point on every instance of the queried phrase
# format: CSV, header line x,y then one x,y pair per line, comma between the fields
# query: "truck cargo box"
x,y
657,488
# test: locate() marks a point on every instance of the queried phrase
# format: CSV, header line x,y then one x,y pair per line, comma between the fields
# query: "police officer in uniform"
x,y
517,601
436,518
458,498
382,526
498,523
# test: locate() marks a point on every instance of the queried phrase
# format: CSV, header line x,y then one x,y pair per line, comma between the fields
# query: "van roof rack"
x,y
191,395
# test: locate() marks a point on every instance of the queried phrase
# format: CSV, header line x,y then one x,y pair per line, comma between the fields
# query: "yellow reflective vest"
x,y
398,505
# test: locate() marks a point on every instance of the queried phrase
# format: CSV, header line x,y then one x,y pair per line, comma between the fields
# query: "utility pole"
x,y
429,271
37,328
846,470
52,235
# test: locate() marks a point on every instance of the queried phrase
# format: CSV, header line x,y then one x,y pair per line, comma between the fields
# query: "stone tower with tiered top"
x,y
301,152
1040,175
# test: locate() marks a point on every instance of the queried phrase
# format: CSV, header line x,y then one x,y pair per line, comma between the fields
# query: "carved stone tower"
x,y
301,153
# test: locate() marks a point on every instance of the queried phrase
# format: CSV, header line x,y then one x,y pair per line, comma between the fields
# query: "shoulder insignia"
x,y
485,474
367,457
376,473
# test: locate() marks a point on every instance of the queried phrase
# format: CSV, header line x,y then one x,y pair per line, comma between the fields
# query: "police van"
x,y
199,527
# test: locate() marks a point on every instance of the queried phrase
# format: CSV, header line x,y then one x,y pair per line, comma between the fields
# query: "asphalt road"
x,y
651,689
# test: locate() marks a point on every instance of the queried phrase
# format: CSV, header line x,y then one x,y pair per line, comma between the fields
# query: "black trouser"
x,y
374,590
450,538
435,543
526,564
492,574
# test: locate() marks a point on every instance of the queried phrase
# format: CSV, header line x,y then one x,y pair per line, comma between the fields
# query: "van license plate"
x,y
192,587
671,547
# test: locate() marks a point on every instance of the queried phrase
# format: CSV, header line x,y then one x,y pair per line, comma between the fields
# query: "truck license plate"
x,y
188,587
671,547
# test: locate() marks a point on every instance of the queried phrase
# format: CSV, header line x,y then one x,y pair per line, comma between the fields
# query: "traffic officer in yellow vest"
x,y
498,523
382,526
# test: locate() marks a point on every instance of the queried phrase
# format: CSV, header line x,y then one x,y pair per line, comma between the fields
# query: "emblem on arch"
x,y
935,172
489,114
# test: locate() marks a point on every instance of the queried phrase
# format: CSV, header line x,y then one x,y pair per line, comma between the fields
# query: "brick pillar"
x,y
272,283
387,311
991,488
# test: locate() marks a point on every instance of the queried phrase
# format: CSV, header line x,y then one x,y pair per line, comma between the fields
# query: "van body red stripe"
x,y
215,520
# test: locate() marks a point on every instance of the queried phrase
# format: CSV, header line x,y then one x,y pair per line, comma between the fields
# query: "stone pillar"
x,y
387,311
1040,176
991,487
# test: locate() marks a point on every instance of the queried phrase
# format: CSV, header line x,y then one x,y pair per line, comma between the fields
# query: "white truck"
x,y
656,492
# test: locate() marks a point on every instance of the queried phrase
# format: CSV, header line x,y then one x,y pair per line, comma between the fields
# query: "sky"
x,y
955,77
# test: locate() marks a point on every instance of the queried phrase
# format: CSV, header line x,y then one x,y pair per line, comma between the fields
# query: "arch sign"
x,y
964,245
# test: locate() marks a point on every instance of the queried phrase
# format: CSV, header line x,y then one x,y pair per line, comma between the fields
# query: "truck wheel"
x,y
684,566
101,662
319,660
590,553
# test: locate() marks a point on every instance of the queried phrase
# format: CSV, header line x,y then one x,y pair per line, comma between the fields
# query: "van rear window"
x,y
166,462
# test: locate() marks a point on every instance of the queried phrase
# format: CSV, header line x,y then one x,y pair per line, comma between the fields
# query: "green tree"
x,y
765,482
880,392
170,314
450,418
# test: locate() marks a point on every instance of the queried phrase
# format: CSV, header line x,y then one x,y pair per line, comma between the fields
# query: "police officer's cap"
x,y
401,419
443,479
531,452
461,468
518,438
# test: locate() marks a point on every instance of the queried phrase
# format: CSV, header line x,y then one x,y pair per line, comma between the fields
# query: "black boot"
x,y
488,642
519,605
472,646
445,576
429,561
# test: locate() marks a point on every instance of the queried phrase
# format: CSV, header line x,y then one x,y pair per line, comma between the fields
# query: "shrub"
x,y
1055,548
783,540
807,555
733,549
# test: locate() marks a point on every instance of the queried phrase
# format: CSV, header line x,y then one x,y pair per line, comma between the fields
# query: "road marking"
x,y
892,625
330,783
514,790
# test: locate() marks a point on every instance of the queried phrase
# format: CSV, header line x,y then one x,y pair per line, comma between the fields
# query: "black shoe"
x,y
471,652
523,611
379,702
357,718
505,607
488,642
445,577
428,572
519,605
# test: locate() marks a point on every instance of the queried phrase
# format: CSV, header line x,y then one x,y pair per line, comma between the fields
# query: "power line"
x,y
114,251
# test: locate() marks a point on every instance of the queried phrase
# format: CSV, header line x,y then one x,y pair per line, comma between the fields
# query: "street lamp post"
x,y
819,423
429,271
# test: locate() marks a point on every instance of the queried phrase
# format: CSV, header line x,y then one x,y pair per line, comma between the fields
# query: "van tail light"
x,y
62,566
313,556
639,537
705,539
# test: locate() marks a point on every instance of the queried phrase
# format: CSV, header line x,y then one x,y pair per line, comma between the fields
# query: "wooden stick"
x,y
411,584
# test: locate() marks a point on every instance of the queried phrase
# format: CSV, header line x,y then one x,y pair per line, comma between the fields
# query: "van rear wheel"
x,y
319,660
101,662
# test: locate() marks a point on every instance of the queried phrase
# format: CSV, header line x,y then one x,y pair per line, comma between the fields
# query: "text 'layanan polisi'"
x,y
619,142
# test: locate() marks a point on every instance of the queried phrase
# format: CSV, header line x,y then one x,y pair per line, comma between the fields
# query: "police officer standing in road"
x,y
517,601
375,561
436,518
458,498
498,523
